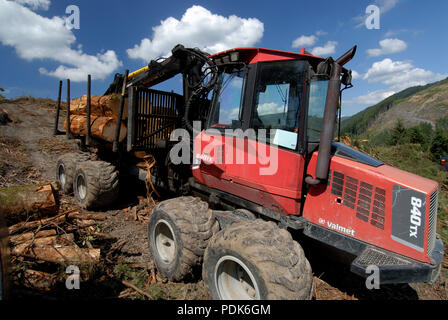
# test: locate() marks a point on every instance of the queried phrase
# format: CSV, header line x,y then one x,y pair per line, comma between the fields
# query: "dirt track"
x,y
28,154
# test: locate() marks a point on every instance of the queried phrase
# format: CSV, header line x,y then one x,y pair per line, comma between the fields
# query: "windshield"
x,y
318,96
228,100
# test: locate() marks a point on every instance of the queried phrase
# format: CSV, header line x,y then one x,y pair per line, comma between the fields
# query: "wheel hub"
x,y
81,187
165,241
61,175
234,280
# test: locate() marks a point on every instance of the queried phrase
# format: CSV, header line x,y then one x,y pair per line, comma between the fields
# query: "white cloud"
x,y
304,41
200,28
327,49
371,98
392,33
388,46
35,4
308,41
36,37
400,75
269,108
234,113
386,5
356,75
321,33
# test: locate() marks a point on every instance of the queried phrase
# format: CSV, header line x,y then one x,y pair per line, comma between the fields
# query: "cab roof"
x,y
252,55
256,54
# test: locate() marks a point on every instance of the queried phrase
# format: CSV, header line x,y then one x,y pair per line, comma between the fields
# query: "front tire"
x,y
179,230
256,260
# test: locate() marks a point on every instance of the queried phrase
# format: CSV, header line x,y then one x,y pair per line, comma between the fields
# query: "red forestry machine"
x,y
241,216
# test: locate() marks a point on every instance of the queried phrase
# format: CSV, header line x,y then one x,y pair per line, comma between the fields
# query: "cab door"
x,y
256,125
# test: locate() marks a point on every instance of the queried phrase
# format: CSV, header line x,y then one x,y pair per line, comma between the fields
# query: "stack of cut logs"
x,y
103,120
40,233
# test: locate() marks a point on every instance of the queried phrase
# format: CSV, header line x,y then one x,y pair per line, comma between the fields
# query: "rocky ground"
x,y
28,154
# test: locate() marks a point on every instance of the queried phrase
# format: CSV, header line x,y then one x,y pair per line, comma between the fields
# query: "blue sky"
x,y
36,48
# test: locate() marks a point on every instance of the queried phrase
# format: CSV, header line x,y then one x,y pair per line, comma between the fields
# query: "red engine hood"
x,y
383,206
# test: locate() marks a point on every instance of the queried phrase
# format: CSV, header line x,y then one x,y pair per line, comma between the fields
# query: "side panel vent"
x,y
379,204
367,201
351,191
364,202
433,203
338,184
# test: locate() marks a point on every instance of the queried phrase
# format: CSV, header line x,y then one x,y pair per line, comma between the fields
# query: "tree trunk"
x,y
64,255
85,223
29,225
28,203
101,106
20,238
102,128
38,280
62,240
87,216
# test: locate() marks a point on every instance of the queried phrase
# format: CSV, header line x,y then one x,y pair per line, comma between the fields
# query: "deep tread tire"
x,y
192,224
67,163
101,181
277,262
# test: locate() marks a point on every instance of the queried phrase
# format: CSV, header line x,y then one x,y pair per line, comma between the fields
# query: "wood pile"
x,y
104,115
102,128
40,234
101,106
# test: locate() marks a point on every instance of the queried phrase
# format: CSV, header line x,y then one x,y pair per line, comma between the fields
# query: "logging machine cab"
x,y
270,94
275,101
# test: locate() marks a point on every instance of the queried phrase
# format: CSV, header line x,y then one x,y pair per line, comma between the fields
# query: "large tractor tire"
x,y
256,260
179,230
95,184
65,169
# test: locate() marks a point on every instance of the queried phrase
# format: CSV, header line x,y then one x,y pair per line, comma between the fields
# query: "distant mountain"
x,y
413,106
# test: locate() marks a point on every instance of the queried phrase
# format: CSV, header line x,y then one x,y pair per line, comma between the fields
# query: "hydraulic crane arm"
x,y
187,61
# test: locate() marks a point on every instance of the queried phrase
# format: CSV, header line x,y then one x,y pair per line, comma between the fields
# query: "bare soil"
x,y
28,155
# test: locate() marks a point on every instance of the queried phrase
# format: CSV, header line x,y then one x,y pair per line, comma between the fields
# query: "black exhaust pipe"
x,y
346,57
327,134
329,122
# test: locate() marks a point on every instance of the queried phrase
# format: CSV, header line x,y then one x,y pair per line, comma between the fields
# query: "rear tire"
x,y
179,230
95,184
256,260
65,169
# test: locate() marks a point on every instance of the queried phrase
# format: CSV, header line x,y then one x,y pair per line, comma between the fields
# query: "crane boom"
x,y
186,61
